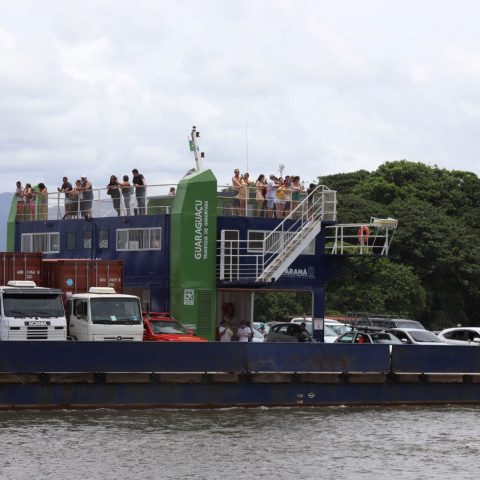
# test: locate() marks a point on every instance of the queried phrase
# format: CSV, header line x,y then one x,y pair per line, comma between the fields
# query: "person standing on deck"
x,y
66,188
140,184
236,184
244,332
20,201
113,189
86,201
127,191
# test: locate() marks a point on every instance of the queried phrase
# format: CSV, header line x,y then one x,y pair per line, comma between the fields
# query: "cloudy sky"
x,y
97,87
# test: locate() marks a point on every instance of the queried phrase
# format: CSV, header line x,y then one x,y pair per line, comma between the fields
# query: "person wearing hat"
x,y
87,198
244,332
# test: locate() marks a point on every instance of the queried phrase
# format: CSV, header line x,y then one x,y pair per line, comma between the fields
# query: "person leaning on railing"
x,y
127,192
113,189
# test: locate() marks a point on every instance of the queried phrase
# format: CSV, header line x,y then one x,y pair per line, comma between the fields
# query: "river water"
x,y
261,443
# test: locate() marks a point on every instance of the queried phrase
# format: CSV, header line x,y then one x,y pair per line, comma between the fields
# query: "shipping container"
x,y
77,276
20,266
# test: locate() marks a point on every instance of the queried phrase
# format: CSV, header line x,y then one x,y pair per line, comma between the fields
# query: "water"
x,y
264,443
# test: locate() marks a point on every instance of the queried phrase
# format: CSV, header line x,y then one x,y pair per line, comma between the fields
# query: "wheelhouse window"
x,y
139,239
41,242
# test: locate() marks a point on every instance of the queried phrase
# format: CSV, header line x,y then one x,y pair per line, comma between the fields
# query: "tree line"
x,y
433,269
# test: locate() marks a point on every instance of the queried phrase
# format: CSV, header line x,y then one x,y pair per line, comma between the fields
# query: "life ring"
x,y
363,234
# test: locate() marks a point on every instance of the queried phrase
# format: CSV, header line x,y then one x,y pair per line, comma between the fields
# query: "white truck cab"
x,y
28,312
104,315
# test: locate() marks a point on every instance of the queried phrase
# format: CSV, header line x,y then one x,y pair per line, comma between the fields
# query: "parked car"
x,y
461,335
363,337
287,332
262,327
387,323
416,336
162,327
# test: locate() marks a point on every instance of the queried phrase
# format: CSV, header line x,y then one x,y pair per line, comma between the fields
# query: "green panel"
x,y
204,312
11,222
193,253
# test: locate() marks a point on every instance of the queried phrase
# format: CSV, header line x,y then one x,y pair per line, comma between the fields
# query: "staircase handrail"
x,y
309,210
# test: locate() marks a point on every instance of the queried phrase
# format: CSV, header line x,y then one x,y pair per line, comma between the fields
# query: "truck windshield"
x,y
36,305
116,310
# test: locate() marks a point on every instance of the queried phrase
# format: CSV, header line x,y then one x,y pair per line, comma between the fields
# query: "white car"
x,y
416,336
461,335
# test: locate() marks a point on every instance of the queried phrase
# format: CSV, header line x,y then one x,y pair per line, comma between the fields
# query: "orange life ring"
x,y
363,234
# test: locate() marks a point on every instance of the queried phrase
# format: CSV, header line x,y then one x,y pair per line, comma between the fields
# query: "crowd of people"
x,y
225,333
32,202
275,197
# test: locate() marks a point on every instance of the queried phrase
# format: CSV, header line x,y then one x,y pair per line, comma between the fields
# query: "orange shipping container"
x,y
77,276
20,266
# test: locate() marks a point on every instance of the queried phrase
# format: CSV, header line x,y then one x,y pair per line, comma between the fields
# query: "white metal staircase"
x,y
288,240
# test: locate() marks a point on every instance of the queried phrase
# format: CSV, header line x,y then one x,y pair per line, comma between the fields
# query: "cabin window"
x,y
103,239
87,239
133,239
41,242
71,240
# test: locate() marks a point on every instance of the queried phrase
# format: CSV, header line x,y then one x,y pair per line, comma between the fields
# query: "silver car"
x,y
461,335
416,336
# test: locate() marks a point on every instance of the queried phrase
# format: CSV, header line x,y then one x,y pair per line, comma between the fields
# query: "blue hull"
x,y
208,375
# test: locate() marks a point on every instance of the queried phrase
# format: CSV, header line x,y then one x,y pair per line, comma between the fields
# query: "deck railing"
x,y
158,201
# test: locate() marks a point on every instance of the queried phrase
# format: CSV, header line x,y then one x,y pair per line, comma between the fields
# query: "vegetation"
x,y
433,270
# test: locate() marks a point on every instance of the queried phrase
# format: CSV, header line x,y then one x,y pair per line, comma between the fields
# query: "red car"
x,y
162,327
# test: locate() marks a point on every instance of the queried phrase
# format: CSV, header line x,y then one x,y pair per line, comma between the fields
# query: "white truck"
x,y
28,312
104,315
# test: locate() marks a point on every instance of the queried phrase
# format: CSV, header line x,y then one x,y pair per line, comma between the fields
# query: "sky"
x,y
98,87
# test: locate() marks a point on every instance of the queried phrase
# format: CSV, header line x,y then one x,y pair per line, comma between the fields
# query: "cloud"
x,y
102,87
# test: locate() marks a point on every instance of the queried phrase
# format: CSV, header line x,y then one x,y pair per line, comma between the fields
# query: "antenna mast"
x,y
195,149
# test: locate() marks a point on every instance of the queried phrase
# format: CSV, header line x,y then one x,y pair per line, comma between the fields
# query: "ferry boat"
x,y
193,255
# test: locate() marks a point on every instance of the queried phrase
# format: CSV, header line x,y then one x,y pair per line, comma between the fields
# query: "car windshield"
x,y
339,328
33,305
408,324
168,326
424,336
328,332
116,310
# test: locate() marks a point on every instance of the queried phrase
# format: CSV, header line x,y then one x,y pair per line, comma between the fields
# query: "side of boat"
x,y
49,375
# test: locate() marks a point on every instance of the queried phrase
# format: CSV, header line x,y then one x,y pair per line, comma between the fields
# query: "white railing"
x,y
284,243
230,204
373,238
102,205
252,259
